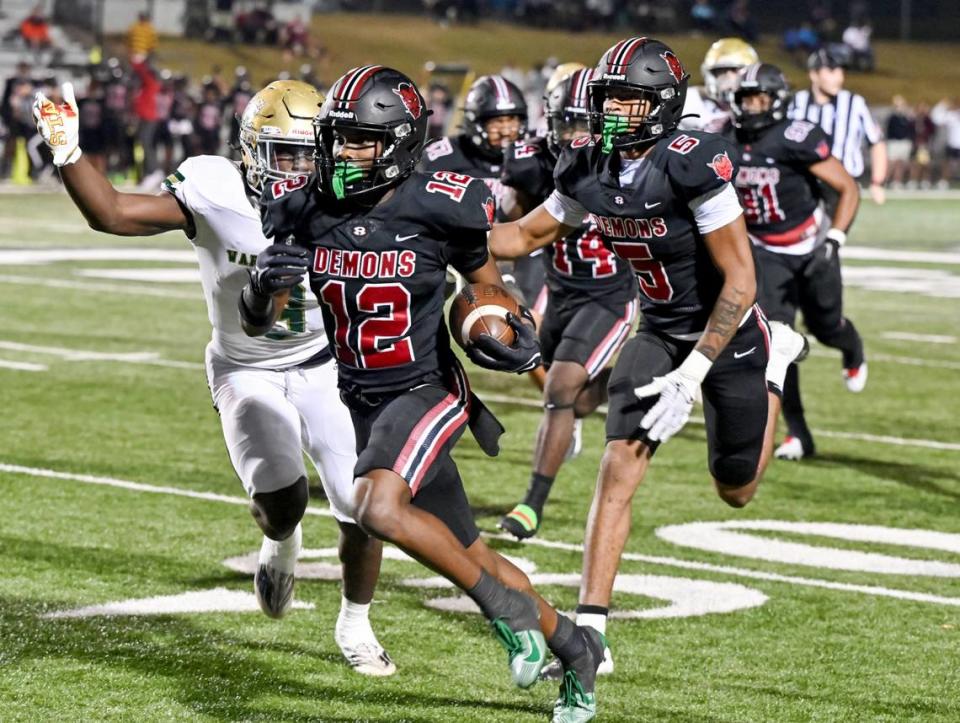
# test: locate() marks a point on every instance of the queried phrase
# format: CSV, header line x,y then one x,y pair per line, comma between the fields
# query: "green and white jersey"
x,y
227,240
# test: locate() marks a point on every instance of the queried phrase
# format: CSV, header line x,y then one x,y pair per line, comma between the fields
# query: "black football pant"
x,y
805,283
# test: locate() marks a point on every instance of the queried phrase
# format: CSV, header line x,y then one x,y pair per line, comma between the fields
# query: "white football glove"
x,y
59,125
677,391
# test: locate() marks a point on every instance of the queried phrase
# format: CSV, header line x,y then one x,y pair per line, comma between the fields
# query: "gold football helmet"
x,y
721,63
276,132
563,70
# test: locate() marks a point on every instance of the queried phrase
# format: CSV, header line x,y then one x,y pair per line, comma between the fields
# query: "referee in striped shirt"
x,y
844,117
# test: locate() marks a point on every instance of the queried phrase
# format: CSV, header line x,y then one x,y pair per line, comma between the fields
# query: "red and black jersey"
x,y
580,267
649,222
379,273
458,154
778,193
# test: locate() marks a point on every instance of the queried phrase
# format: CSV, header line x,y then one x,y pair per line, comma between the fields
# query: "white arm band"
x,y
564,209
716,208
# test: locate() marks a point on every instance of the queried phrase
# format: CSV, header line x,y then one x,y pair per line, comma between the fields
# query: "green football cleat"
x,y
522,522
575,705
526,651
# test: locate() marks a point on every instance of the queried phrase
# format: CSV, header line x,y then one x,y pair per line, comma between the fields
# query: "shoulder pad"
x,y
798,130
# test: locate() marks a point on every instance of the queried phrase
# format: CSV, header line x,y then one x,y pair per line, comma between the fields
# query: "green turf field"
x,y
116,486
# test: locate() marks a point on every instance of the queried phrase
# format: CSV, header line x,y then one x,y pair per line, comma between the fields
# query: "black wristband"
x,y
256,310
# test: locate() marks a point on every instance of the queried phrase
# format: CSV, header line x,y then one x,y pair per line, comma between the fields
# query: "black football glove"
x,y
827,254
521,356
279,267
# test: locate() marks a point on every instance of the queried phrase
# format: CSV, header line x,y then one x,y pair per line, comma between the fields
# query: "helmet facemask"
x,y
566,126
653,113
481,137
269,159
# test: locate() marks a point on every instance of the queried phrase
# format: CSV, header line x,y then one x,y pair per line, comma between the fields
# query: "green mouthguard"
x,y
345,172
613,126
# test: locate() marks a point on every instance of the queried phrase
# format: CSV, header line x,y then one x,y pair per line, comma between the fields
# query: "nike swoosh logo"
x,y
399,239
741,354
652,205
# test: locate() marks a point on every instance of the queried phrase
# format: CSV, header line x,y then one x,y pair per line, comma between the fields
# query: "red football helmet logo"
x,y
411,99
673,63
722,166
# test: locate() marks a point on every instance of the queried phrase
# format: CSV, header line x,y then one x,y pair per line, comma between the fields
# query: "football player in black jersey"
x,y
663,201
780,164
494,115
591,302
375,239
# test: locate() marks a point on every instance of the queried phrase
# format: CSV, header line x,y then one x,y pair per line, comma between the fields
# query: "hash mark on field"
x,y
137,486
868,253
925,338
150,358
894,359
22,366
100,288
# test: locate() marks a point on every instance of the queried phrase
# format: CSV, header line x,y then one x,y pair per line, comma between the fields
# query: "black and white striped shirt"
x,y
845,119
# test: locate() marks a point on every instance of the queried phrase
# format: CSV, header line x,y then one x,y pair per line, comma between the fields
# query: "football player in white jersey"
x,y
277,394
707,108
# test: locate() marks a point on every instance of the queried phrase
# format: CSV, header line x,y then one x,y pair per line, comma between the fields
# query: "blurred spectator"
x,y
35,31
163,137
741,21
182,113
924,130
704,16
208,122
141,37
946,114
93,138
800,42
258,26
821,19
296,38
145,111
440,102
117,120
857,38
900,134
236,101
18,86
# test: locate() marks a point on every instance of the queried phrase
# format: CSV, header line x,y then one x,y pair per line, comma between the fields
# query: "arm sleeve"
x,y
566,210
707,167
715,209
805,143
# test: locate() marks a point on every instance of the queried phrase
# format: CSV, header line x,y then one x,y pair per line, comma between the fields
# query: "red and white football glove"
x,y
59,125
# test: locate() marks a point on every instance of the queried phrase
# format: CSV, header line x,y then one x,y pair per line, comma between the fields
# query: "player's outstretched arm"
x,y
832,172
519,238
729,247
106,209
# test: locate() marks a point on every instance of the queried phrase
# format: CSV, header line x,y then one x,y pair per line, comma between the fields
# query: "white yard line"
x,y
753,574
869,253
138,486
539,542
860,436
149,358
21,256
922,338
22,366
99,288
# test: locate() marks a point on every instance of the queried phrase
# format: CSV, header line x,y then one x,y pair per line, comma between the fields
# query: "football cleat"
x,y
554,669
578,701
522,522
273,582
788,343
576,441
856,378
793,449
366,657
521,637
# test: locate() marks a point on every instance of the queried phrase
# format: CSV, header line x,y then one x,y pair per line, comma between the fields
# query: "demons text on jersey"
x,y
364,264
757,176
619,227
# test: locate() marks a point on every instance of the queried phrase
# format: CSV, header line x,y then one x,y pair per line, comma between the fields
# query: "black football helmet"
x,y
566,109
640,68
760,78
375,102
491,96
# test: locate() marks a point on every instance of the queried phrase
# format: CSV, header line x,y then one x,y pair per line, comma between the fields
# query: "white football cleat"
x,y
791,449
856,378
576,441
274,579
365,654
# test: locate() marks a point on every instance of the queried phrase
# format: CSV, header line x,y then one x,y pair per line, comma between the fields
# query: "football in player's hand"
x,y
482,309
